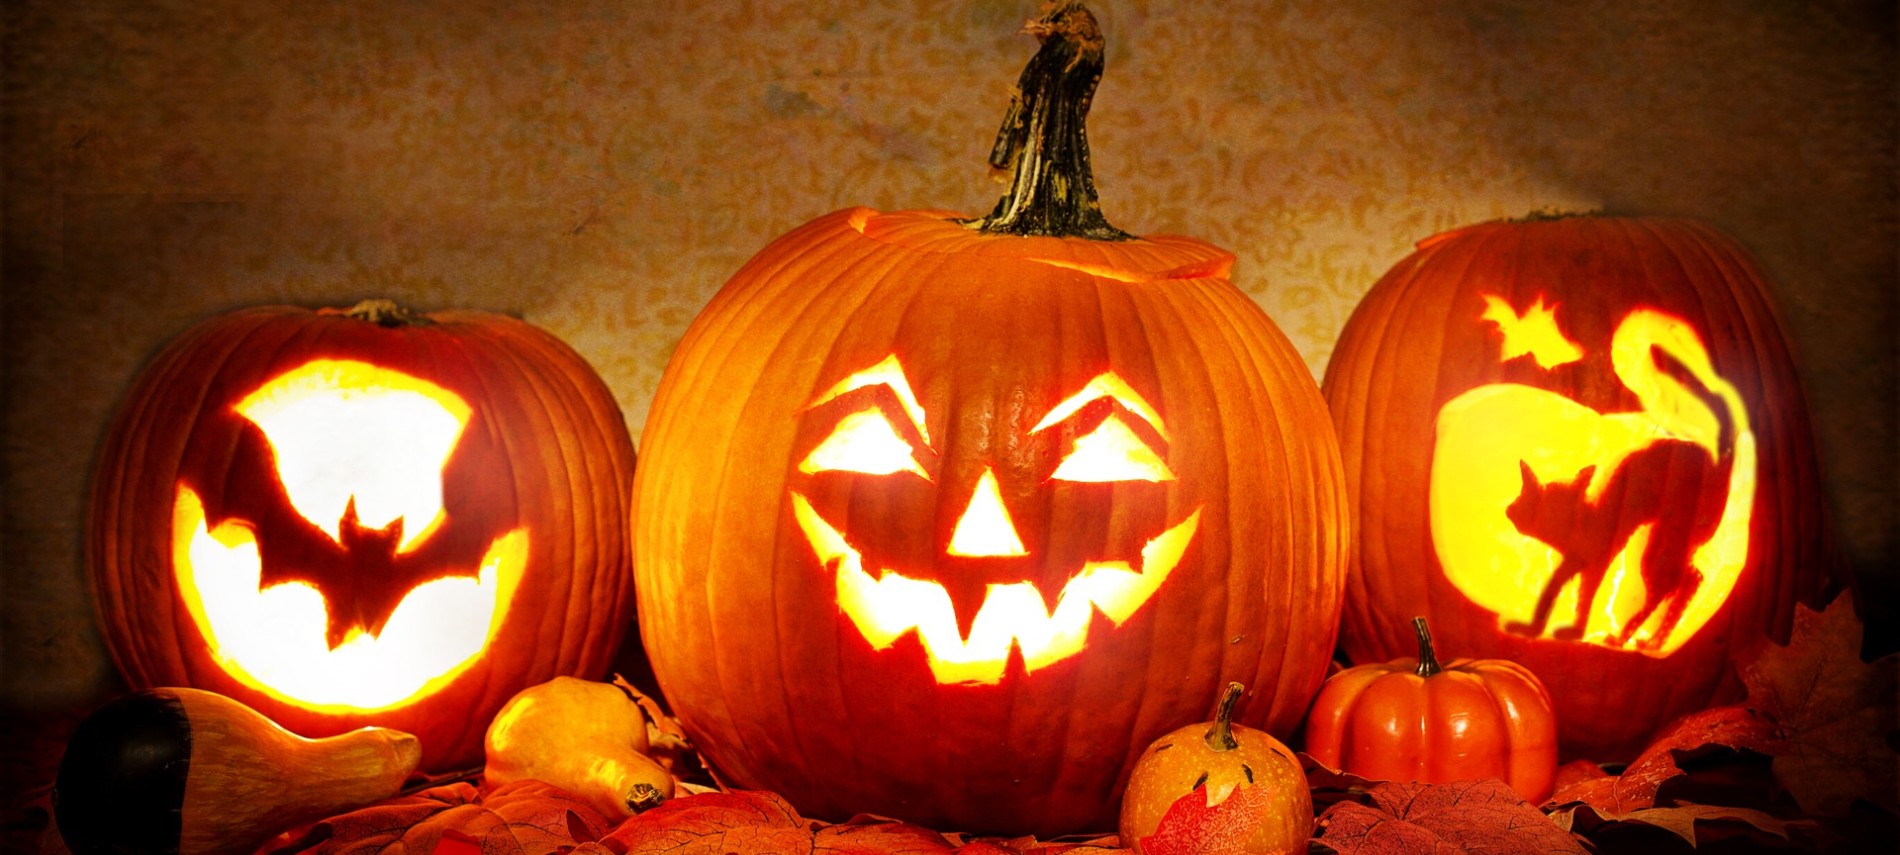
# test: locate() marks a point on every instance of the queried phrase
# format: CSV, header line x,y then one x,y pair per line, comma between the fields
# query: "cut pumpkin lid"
x,y
1141,260
1573,222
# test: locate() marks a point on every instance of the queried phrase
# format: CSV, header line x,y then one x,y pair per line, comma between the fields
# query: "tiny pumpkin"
x,y
1413,720
1186,775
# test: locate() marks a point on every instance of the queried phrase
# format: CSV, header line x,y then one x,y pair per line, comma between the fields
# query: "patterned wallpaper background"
x,y
599,167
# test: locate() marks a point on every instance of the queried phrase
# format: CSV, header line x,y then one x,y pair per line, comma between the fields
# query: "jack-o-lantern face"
x,y
1536,512
361,517
350,610
949,526
886,596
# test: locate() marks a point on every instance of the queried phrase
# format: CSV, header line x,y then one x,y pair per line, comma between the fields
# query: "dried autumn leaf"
x,y
1192,827
1680,820
524,818
1731,727
1836,712
667,742
743,821
1031,846
1329,785
1577,772
1476,817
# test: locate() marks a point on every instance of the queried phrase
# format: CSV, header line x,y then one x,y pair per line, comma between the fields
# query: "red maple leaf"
x,y
1837,713
1681,820
1476,817
526,817
1731,727
747,822
1192,827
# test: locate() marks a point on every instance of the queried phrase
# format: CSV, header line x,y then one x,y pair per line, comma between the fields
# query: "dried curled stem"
x,y
1044,142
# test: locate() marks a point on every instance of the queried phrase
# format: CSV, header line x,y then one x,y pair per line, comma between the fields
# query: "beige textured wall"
x,y
600,166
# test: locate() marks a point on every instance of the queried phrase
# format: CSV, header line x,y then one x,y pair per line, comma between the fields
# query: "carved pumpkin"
x,y
946,523
343,518
1412,720
1578,443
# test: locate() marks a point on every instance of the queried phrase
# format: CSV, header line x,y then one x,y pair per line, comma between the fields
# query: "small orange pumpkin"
x,y
1411,720
1181,781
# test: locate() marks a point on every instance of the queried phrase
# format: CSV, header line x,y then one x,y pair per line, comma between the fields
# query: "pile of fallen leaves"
x,y
1809,763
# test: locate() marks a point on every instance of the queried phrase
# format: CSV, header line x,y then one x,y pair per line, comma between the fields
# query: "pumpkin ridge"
x,y
526,374
1180,306
561,394
905,267
145,418
759,306
1277,363
1175,308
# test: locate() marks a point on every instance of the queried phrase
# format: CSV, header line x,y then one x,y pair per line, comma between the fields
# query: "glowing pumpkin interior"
x,y
1503,448
886,604
355,445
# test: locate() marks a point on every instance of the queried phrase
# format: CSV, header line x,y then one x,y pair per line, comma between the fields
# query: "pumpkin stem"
x,y
1427,659
383,313
1220,737
1044,138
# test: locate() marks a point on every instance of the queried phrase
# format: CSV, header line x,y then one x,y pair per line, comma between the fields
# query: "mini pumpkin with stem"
x,y
1413,720
1188,774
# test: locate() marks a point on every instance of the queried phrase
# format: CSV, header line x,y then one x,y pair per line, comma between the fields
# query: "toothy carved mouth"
x,y
886,607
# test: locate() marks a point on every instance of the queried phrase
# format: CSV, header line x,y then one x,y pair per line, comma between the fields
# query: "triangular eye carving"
x,y
866,441
890,374
1112,451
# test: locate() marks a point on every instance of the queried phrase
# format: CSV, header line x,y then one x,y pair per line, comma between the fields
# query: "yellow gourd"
x,y
586,737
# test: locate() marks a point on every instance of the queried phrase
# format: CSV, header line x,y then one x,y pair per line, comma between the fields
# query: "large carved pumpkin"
x,y
343,518
1578,443
942,522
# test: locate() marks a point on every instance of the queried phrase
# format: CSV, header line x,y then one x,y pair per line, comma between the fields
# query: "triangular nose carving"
x,y
984,529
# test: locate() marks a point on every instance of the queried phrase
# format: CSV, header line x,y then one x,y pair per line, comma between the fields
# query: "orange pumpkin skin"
x,y
1475,718
1656,340
534,485
782,690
